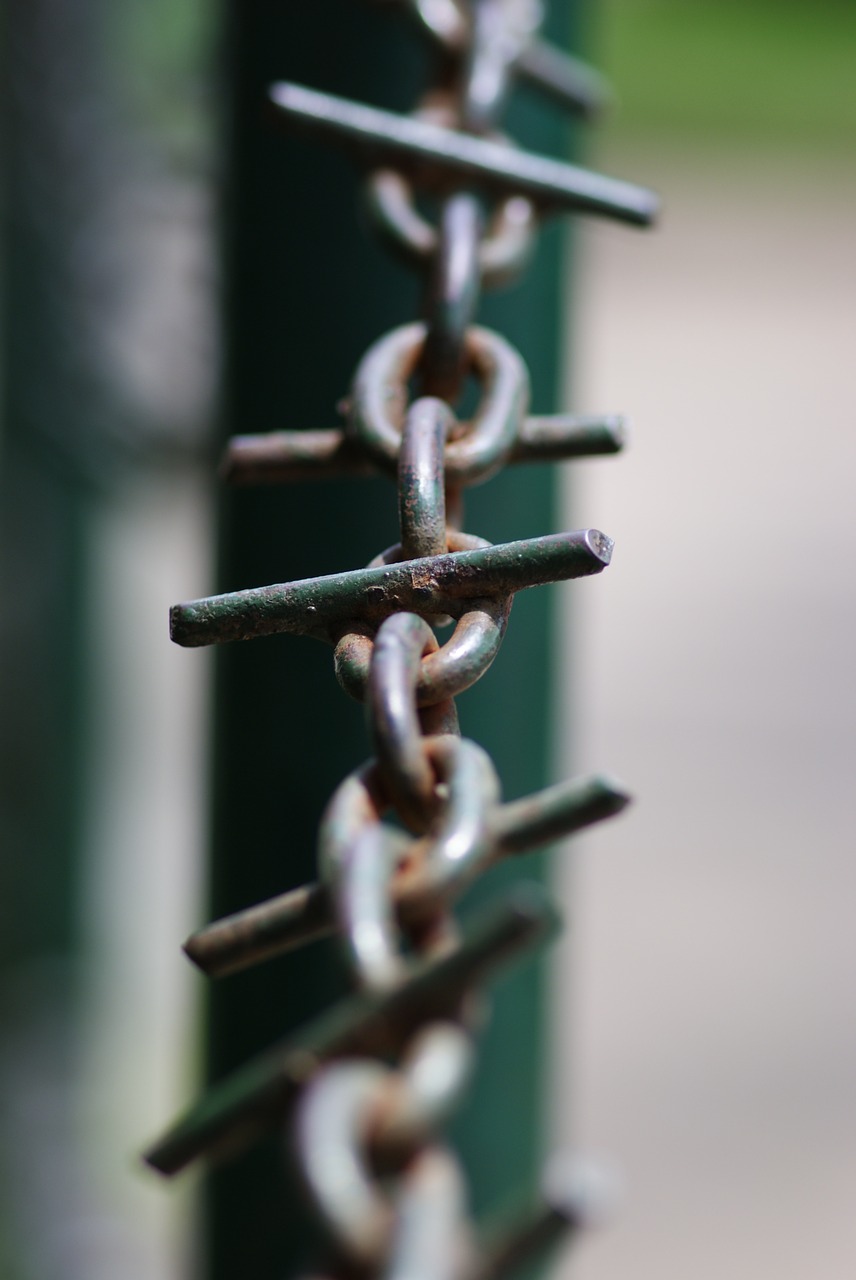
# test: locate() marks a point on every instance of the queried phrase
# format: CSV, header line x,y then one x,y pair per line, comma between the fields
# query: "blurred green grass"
x,y
163,55
738,73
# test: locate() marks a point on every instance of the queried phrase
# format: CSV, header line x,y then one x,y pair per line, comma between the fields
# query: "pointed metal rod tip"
x,y
585,1192
574,1197
614,792
301,915
428,585
281,457
600,545
262,931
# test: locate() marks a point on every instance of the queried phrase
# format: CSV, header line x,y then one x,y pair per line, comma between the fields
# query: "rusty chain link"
x,y
391,1195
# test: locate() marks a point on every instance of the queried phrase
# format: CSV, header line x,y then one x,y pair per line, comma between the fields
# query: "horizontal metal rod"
x,y
238,1110
261,932
292,919
556,812
528,1243
570,82
388,137
560,437
430,585
276,457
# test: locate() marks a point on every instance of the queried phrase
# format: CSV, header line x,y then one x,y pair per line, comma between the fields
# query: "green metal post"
x,y
306,292
51,410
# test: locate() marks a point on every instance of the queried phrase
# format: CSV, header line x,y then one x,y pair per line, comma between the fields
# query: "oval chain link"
x,y
477,449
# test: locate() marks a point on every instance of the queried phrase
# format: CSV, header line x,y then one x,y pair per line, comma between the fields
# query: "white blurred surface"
x,y
712,1050
139,1048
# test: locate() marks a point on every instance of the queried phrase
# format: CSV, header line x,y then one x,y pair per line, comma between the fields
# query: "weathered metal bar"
x,y
433,584
239,1109
263,931
572,1199
277,457
292,919
385,136
571,82
556,812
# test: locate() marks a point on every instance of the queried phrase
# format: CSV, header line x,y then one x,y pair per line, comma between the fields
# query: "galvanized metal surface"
x,y
370,1082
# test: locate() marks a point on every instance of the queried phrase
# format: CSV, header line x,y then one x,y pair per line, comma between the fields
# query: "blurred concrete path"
x,y
712,1050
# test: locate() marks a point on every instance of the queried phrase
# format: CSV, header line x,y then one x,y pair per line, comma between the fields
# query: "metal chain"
x,y
391,1194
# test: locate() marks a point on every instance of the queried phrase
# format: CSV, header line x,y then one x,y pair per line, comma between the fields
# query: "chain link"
x,y
391,1194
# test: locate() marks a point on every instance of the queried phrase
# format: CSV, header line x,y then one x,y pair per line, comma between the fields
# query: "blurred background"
x,y
711,1051
706,1045
109,368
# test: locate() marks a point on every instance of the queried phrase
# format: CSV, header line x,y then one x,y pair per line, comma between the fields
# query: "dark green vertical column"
x,y
306,291
53,408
